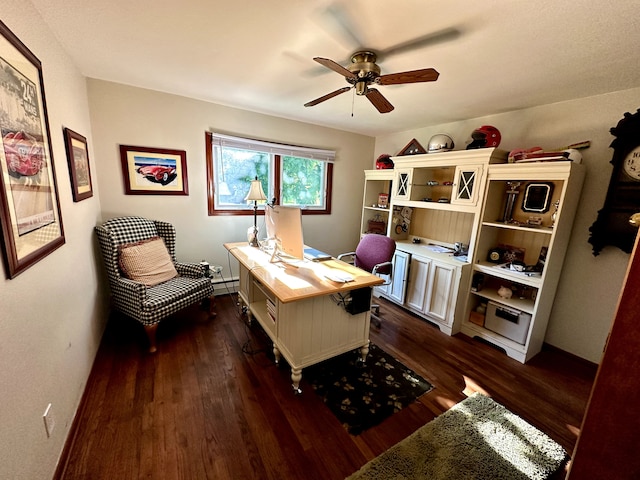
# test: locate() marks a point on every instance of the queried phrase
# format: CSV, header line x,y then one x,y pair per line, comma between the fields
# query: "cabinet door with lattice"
x,y
467,185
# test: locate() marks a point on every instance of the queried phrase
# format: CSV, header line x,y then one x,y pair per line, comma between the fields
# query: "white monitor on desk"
x,y
284,231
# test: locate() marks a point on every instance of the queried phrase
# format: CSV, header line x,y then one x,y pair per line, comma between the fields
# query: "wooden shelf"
x,y
377,209
435,205
510,275
524,228
523,304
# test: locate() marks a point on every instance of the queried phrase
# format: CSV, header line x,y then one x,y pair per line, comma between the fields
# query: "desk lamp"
x,y
255,194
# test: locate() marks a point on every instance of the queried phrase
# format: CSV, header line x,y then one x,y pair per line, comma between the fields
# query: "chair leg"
x,y
151,335
375,315
212,306
209,305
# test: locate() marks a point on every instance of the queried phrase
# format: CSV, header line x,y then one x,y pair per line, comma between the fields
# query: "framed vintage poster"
x,y
78,158
154,171
29,204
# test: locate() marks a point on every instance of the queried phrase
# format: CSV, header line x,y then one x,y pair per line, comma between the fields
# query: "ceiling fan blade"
x,y
413,76
433,38
327,96
336,67
342,26
378,100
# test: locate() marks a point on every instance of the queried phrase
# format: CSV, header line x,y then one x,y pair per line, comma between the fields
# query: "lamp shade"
x,y
255,191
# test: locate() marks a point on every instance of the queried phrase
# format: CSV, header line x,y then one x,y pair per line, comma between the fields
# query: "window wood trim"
x,y
211,183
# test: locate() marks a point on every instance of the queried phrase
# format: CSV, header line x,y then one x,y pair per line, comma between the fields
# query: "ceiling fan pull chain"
x,y
353,101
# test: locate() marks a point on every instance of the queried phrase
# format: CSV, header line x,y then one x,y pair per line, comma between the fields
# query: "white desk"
x,y
298,310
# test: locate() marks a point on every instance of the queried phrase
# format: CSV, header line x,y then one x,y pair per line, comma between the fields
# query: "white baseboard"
x,y
222,286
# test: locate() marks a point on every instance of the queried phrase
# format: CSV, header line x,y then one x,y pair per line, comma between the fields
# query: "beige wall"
x,y
51,315
588,291
133,116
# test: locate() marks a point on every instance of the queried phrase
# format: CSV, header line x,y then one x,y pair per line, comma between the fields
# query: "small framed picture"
x,y
383,200
537,197
154,171
78,158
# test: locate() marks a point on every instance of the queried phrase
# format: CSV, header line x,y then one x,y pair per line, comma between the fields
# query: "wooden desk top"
x,y
307,280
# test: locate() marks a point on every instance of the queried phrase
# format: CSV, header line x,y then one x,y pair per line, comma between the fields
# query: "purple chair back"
x,y
374,249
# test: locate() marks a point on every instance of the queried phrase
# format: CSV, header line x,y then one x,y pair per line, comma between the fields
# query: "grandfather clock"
x,y
623,197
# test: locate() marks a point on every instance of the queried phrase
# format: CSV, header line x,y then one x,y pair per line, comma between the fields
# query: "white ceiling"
x,y
257,55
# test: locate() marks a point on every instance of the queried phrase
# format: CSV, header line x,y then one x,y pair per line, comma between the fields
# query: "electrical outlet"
x,y
216,269
49,420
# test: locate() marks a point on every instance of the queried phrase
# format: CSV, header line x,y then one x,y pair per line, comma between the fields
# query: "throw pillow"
x,y
147,262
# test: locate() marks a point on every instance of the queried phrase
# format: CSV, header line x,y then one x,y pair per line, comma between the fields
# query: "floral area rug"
x,y
362,396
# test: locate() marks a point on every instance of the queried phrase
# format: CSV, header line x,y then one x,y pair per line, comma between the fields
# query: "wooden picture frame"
x,y
154,171
29,204
79,170
412,148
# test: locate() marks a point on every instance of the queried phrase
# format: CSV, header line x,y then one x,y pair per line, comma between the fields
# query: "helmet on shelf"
x,y
440,143
383,162
485,136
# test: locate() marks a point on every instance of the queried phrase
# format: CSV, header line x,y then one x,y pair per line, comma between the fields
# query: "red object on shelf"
x,y
384,162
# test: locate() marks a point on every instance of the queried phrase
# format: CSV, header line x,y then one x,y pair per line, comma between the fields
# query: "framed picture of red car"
x,y
78,158
154,171
29,204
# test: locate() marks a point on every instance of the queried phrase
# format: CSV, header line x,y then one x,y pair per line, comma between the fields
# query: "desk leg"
x,y
364,351
276,354
296,376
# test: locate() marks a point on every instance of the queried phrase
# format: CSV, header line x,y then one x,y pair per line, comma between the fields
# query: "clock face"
x,y
631,164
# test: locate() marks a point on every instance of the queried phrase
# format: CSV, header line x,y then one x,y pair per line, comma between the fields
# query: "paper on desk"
x,y
438,248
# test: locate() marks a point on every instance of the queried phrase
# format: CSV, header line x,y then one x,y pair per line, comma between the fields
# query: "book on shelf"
x,y
271,309
538,156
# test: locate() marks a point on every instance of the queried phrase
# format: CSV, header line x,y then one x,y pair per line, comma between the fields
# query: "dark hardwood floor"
x,y
211,405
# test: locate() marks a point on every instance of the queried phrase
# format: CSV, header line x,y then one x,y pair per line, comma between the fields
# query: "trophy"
x,y
512,194
554,215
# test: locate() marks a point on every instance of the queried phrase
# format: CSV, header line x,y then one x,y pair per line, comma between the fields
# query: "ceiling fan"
x,y
364,72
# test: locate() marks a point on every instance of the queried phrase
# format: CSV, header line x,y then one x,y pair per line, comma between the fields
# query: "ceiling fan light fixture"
x,y
361,88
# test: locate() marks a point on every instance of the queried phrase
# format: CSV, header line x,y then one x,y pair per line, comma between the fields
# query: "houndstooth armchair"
x,y
149,304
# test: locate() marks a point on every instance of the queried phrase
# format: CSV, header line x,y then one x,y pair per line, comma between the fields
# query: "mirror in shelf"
x,y
537,197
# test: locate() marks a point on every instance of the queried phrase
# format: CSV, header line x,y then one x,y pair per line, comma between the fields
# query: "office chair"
x,y
149,284
374,254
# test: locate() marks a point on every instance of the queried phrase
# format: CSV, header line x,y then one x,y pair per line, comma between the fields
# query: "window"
x,y
291,175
